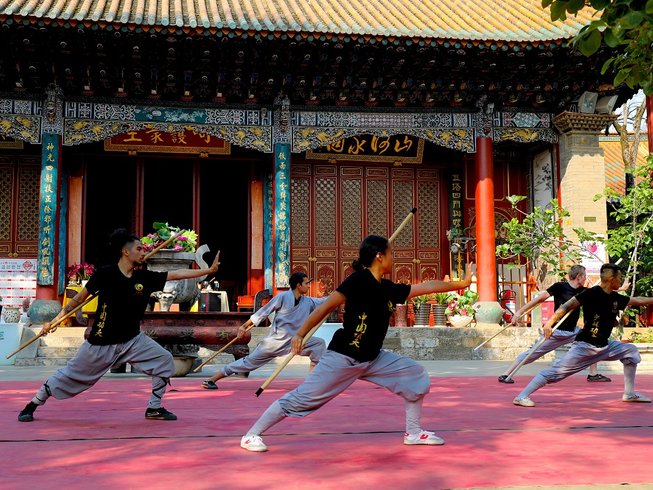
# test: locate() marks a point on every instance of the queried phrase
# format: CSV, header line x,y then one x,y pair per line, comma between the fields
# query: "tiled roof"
x,y
489,20
615,176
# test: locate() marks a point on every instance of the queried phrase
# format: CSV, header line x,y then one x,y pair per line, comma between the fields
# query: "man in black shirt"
x,y
356,352
562,292
601,305
115,338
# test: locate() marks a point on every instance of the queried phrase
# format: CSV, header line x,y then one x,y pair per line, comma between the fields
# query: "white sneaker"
x,y
523,402
253,443
424,437
636,397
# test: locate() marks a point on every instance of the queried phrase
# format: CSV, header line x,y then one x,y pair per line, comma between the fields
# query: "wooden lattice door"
x,y
334,207
19,212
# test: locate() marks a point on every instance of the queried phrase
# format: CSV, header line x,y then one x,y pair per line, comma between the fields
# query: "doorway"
x,y
224,221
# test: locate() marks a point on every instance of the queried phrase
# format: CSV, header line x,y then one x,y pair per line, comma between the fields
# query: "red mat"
x,y
579,433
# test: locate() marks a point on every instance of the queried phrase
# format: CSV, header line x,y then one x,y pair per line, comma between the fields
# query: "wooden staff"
x,y
534,348
314,329
288,358
43,331
84,303
503,329
247,329
162,245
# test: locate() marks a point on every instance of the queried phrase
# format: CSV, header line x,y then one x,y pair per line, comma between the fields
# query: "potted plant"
x,y
460,310
440,307
422,309
186,242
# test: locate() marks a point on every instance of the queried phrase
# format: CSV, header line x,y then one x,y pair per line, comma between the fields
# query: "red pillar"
x,y
649,121
485,240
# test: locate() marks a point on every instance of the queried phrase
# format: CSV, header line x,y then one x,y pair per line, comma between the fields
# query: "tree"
x,y
624,25
540,237
632,238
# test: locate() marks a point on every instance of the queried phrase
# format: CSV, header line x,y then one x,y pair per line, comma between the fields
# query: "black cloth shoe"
x,y
598,378
209,385
159,414
505,379
27,413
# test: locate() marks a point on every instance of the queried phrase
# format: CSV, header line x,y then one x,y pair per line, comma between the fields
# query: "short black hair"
x,y
296,279
118,239
613,268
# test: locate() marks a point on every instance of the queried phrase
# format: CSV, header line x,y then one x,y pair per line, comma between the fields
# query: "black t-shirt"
x,y
368,308
600,311
562,292
121,302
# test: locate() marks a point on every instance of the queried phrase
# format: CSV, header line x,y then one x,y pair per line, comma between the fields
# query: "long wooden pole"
x,y
288,358
314,329
535,347
222,349
509,324
85,302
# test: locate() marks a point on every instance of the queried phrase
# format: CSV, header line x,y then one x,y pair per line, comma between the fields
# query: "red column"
x,y
649,121
486,269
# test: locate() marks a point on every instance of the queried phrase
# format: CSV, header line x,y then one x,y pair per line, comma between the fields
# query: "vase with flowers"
x,y
460,309
185,242
78,274
182,253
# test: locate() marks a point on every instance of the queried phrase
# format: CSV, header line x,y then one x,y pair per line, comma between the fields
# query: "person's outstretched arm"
x,y
570,305
191,273
429,287
530,305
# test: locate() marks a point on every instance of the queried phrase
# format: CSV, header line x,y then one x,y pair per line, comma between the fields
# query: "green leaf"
x,y
575,5
649,7
546,3
621,76
599,4
611,39
558,10
590,44
632,19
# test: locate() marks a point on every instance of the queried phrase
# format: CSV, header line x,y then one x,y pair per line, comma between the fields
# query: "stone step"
x,y
42,361
61,341
54,352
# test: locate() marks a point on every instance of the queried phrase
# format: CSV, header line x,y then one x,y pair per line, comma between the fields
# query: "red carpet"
x,y
579,433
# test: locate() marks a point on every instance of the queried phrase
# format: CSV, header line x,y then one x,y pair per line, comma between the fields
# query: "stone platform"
x,y
419,343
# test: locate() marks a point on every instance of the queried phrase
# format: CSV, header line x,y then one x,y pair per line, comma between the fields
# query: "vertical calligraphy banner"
x,y
282,213
48,209
456,223
268,237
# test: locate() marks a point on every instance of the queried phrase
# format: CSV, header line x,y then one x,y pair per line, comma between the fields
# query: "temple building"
x,y
283,132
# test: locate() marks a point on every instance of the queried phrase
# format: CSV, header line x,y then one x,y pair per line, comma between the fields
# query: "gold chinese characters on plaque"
x,y
155,141
396,148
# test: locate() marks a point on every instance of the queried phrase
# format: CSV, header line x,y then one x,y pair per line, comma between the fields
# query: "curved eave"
x,y
494,21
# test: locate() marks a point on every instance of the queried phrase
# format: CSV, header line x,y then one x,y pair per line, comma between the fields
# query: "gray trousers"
x,y
336,372
274,345
92,361
557,339
582,355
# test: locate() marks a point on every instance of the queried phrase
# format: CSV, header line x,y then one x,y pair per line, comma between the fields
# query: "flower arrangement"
x,y
77,273
186,242
461,304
